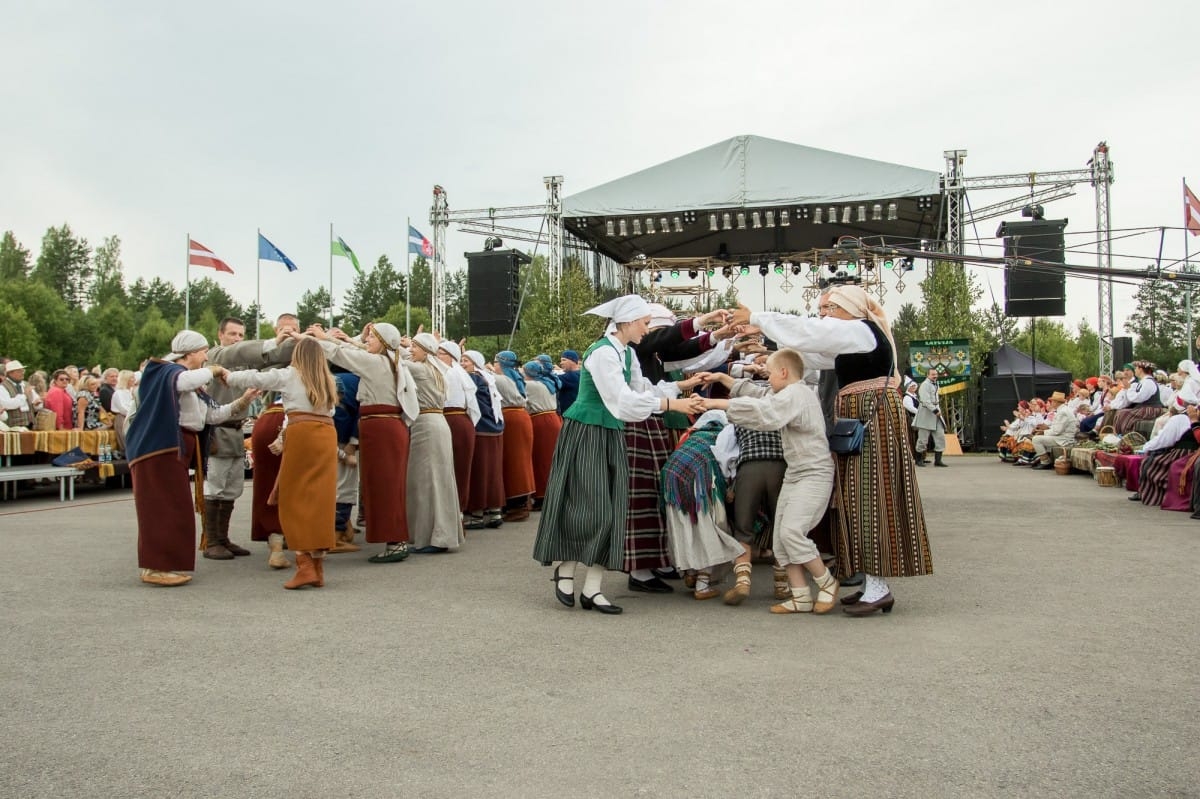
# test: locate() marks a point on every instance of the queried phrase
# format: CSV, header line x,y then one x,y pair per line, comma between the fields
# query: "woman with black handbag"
x,y
879,522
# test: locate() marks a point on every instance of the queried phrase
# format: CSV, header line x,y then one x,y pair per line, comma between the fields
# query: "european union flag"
x,y
269,252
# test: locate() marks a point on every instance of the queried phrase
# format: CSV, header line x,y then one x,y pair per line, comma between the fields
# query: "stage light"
x,y
649,225
924,203
906,265
726,271
802,213
745,270
869,264
814,267
833,267
851,266
832,215
756,220
725,221
693,274
678,225
763,269
784,220
770,218
741,219
674,274
712,223
888,263
624,230
664,225
492,242
711,272
862,213
796,269
637,227
877,212
817,217
891,212
689,217
609,228
779,269
656,277
846,215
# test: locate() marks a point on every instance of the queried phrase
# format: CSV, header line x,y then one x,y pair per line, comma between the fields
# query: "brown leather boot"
x,y
319,563
306,573
345,541
226,513
210,522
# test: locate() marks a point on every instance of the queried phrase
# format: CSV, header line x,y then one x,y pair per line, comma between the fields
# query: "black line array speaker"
x,y
493,291
1122,351
1034,290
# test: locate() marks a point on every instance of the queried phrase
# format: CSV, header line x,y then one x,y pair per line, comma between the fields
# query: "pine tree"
x,y
14,259
64,265
108,278
1159,323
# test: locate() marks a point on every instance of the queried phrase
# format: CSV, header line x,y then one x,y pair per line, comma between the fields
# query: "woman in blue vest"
x,y
583,519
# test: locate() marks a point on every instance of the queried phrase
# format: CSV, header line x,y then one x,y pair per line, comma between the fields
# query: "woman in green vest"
x,y
583,518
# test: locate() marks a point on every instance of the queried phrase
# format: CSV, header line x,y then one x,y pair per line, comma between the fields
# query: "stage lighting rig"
x,y
763,269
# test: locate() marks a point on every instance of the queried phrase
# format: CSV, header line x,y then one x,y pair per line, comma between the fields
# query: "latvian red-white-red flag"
x,y
199,255
1191,211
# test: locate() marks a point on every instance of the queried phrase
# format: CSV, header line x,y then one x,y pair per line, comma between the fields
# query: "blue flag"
x,y
269,252
418,244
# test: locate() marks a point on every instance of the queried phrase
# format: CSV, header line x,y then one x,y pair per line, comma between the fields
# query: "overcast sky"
x,y
153,120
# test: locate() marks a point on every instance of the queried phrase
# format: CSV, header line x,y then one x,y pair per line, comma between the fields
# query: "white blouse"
x,y
194,413
286,381
630,402
818,339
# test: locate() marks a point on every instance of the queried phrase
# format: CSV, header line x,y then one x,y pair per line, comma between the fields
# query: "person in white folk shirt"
x,y
1061,432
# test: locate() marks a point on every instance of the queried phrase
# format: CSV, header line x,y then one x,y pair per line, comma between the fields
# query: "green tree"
x,y
108,278
49,316
373,294
314,307
1050,342
209,296
457,305
422,284
995,328
907,326
20,337
14,259
115,320
950,294
1159,323
157,294
153,338
65,265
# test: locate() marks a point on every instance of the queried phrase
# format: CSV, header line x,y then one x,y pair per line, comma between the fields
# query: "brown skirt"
x,y
264,517
308,482
518,453
546,427
462,437
165,507
487,473
383,470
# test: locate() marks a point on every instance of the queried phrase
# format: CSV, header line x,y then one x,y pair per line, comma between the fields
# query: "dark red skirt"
x,y
518,453
383,466
546,426
462,437
487,473
647,448
166,509
264,518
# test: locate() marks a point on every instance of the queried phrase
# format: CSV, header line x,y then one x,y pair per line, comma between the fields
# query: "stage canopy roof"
x,y
1008,360
751,195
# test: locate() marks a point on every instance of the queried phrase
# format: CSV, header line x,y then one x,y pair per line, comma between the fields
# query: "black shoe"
x,y
588,603
668,574
1196,515
1134,497
563,596
852,580
651,586
476,523
429,550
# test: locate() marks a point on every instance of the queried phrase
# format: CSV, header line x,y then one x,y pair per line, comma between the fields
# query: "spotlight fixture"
x,y
637,227
649,225
796,269
784,219
745,269
741,220
656,277
693,274
492,242
888,263
624,230
924,203
869,264
756,220
726,271
763,269
846,214
689,217
851,266
816,216
862,213
1034,211
674,274
833,267
726,224
678,225
712,223
779,268
891,215
802,213
610,228
710,271
906,265
832,215
664,225
770,218
877,212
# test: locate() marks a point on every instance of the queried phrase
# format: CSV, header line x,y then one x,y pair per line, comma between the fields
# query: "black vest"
x,y
865,365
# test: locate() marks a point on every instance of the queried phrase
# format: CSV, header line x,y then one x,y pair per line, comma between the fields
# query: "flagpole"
x,y
257,282
187,285
408,276
331,274
1187,215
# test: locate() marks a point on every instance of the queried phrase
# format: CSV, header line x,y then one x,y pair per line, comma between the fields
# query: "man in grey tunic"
x,y
928,421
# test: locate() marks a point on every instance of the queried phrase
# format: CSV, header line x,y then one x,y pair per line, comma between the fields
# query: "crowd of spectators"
x,y
68,398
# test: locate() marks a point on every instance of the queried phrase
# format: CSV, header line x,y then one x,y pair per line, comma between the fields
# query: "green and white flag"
x,y
341,248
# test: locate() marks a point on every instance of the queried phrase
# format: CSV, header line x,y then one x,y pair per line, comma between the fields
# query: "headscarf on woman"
x,y
509,363
548,370
537,370
860,304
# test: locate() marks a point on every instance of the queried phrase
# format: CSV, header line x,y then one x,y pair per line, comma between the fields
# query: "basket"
x,y
1106,476
1062,466
1130,442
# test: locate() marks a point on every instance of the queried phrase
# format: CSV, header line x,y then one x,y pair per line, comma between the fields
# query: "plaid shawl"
x,y
691,479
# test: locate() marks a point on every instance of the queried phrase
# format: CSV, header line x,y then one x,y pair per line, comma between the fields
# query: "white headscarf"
x,y
629,308
481,366
862,305
661,316
184,343
452,349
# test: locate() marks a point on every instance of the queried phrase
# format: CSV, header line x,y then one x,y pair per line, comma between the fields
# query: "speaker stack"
x,y
494,291
1034,290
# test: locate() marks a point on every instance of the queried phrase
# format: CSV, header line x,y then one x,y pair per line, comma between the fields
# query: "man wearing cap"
x,y
225,478
16,396
1061,432
568,381
928,421
163,442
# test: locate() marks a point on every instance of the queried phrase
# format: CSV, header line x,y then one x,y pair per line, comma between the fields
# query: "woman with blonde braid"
x,y
306,489
387,405
434,520
879,522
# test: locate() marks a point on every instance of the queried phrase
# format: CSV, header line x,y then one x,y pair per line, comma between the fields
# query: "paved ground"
x,y
1053,654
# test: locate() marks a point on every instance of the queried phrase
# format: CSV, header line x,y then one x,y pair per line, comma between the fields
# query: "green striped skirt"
x,y
583,517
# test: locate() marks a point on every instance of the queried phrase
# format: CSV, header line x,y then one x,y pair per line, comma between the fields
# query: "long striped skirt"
x,y
1181,484
546,427
1125,420
879,523
462,436
518,453
1154,471
308,482
583,518
165,507
647,445
264,517
383,470
487,473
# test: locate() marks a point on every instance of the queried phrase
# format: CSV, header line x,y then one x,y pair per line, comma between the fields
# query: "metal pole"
x,y
408,276
331,274
1187,298
257,283
187,284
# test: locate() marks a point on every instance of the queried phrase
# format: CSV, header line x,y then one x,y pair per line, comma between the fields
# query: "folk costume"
x,y
518,438
928,423
540,391
434,518
461,412
487,465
